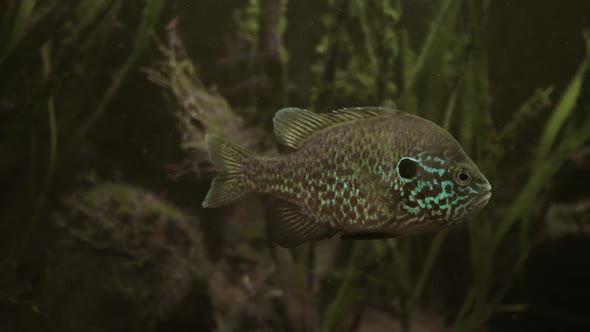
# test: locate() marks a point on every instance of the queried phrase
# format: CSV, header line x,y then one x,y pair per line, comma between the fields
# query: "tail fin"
x,y
230,183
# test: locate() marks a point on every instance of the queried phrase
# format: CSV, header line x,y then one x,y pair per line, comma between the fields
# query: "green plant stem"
x,y
349,292
526,199
433,252
540,100
367,35
283,53
20,27
425,50
52,139
548,162
450,110
564,108
151,14
402,251
460,321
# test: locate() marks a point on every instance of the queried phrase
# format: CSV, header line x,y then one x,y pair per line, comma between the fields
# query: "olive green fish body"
x,y
356,171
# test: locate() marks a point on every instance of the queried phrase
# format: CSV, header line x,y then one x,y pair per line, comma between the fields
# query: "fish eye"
x,y
407,167
462,176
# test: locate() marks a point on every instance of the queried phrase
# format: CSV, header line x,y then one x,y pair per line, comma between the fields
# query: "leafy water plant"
x,y
456,48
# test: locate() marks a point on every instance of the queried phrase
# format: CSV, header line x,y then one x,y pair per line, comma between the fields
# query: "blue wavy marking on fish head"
x,y
441,189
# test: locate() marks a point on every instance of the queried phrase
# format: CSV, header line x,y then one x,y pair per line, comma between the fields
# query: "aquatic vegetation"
x,y
365,63
357,54
55,60
54,121
141,40
18,19
200,110
472,114
107,87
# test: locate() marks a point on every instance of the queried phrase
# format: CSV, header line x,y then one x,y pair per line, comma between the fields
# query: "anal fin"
x,y
288,227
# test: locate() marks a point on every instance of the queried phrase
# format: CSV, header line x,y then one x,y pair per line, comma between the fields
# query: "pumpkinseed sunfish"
x,y
364,172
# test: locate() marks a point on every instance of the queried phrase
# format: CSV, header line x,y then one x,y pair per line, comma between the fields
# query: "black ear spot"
x,y
407,168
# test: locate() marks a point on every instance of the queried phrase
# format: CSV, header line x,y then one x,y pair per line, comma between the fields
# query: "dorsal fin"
x,y
288,227
293,126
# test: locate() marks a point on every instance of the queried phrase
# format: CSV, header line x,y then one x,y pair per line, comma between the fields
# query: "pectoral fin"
x,y
288,227
380,193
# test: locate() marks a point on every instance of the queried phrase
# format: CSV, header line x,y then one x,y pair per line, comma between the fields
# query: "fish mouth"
x,y
483,200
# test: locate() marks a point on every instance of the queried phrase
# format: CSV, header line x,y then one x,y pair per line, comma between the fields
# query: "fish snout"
x,y
485,193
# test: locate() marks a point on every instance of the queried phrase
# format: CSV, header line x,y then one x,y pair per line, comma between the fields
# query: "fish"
x,y
364,172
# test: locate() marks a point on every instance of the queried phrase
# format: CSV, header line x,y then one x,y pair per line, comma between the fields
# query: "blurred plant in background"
x,y
446,81
62,64
74,100
55,95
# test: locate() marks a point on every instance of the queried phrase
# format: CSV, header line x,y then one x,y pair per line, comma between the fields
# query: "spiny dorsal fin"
x,y
289,228
294,126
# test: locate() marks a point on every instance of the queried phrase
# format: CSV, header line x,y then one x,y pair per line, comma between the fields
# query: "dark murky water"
x,y
103,110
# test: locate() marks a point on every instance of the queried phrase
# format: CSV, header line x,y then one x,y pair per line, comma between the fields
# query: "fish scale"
x,y
354,171
332,194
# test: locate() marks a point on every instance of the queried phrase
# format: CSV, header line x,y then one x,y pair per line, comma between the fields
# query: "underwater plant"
x,y
127,92
364,57
60,72
454,53
51,122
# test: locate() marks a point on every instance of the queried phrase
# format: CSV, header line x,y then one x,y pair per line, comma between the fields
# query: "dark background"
x,y
52,279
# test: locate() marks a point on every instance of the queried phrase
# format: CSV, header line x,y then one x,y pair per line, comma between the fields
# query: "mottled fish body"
x,y
364,172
